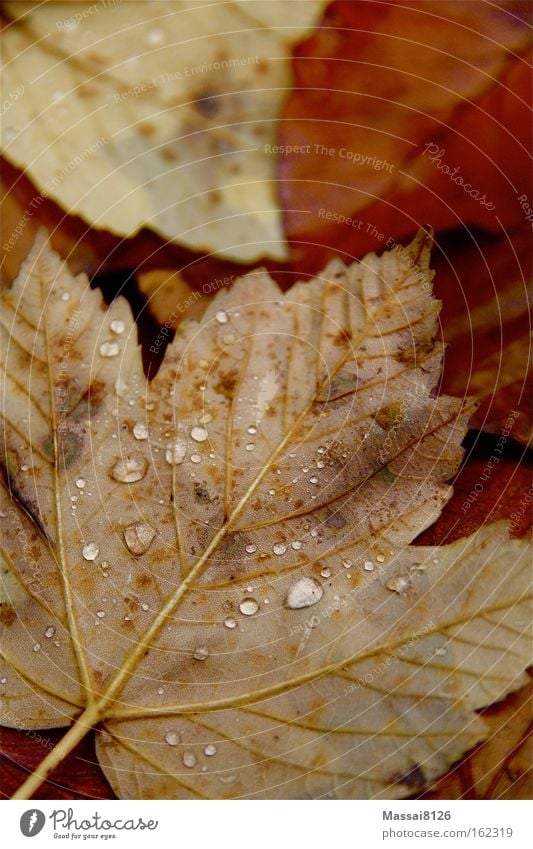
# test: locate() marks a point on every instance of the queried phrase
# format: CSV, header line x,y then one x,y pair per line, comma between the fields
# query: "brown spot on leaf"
x,y
390,416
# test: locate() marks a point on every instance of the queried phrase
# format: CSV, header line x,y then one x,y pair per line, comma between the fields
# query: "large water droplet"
x,y
90,551
279,548
172,738
109,349
210,750
175,452
199,434
304,593
248,606
138,537
189,760
201,653
117,326
140,431
129,469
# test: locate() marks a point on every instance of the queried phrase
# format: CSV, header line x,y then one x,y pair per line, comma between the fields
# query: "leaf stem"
x,y
76,732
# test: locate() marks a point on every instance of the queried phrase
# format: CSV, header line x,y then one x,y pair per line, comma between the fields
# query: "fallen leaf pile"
x,y
214,568
163,116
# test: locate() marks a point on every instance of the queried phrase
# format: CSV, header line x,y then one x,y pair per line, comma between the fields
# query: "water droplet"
x,y
199,434
36,647
210,750
326,572
3,680
100,614
252,430
81,483
24,467
250,549
145,607
117,326
138,537
347,564
320,464
195,458
304,593
314,532
230,623
129,469
160,691
140,431
65,296
380,558
321,450
201,653
90,551
296,545
368,565
50,631
155,36
279,548
250,446
314,479
172,738
248,606
271,491
189,760
109,349
399,584
175,452
221,317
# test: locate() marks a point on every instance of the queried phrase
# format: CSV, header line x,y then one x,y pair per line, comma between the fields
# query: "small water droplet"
x,y
314,479
160,691
321,450
138,537
252,430
172,738
201,653
175,452
296,545
326,572
117,326
195,458
109,349
380,558
24,467
347,564
3,680
250,549
129,469
230,623
248,606
50,631
210,750
65,296
368,565
222,317
145,607
36,647
304,593
189,760
320,464
399,584
271,491
81,483
90,551
100,614
279,548
199,434
140,431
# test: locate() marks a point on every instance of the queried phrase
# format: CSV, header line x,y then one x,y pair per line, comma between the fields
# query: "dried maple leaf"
x,y
231,598
107,121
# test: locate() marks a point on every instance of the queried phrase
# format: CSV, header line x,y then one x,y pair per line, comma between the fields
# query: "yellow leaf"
x,y
214,568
